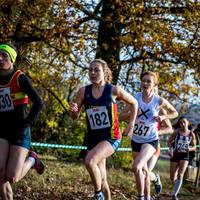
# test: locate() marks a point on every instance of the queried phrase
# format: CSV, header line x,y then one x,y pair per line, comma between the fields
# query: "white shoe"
x,y
158,184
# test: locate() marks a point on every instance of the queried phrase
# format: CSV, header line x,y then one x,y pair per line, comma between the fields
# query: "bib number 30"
x,y
6,103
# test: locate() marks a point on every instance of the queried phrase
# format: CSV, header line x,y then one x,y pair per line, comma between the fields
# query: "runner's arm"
x,y
171,111
75,107
132,102
166,126
37,103
193,142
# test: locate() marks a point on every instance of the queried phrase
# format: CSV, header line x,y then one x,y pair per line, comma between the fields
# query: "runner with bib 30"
x,y
16,118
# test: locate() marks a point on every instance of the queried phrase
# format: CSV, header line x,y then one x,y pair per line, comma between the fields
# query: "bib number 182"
x,y
98,117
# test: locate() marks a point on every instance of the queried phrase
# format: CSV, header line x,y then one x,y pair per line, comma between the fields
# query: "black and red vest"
x,y
11,94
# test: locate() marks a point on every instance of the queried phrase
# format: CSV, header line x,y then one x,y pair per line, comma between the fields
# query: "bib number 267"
x,y
140,130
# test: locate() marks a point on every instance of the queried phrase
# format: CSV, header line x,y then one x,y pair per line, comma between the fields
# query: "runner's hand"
x,y
73,108
158,118
128,132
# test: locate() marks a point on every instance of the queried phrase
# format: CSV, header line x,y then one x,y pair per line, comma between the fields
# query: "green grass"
x,y
70,181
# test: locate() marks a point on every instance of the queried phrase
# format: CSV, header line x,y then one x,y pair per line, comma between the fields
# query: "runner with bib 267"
x,y
145,134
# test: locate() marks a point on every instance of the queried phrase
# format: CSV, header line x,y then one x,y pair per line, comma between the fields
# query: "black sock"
x,y
141,196
97,192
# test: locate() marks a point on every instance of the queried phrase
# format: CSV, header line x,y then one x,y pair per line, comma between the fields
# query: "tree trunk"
x,y
108,37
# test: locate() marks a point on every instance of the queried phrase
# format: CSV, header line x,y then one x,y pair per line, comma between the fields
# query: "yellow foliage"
x,y
52,124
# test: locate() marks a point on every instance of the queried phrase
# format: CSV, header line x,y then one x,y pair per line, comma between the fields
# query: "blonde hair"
x,y
150,73
106,70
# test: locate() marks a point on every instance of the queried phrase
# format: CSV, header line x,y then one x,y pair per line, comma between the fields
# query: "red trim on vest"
x,y
159,126
116,130
15,88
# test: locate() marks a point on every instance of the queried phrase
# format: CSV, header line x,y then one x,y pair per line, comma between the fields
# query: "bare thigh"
x,y
144,155
101,151
182,168
17,156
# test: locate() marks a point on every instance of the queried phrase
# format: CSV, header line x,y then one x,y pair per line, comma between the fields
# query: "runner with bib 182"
x,y
103,136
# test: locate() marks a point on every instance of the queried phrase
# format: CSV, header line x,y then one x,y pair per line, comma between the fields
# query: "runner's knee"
x,y
12,177
172,177
180,176
137,168
90,162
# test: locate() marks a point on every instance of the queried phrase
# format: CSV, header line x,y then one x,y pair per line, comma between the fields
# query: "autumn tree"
x,y
60,38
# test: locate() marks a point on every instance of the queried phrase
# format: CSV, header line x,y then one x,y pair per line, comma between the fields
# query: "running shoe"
x,y
38,166
140,198
98,196
174,197
158,184
151,198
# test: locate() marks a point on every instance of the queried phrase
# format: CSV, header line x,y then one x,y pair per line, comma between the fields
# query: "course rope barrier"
x,y
61,146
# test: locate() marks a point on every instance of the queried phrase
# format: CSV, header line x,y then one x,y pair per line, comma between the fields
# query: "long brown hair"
x,y
106,70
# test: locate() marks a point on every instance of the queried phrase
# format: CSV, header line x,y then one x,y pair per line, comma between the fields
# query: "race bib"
x,y
141,128
98,117
6,103
182,146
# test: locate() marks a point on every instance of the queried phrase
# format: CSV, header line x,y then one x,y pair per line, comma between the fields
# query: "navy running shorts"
x,y
18,138
136,147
